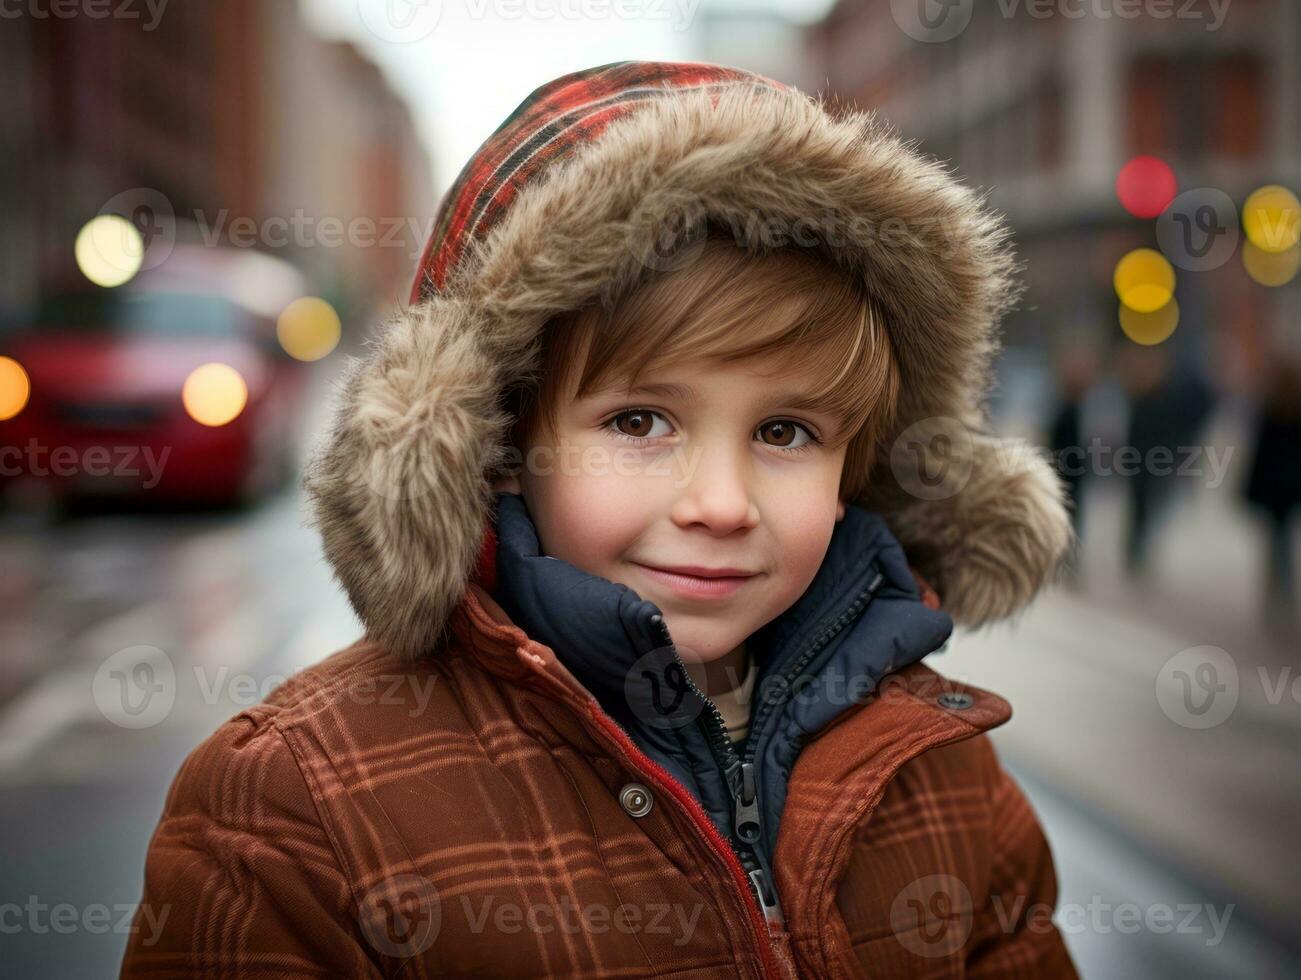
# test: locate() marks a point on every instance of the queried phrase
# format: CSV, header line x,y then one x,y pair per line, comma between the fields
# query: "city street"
x,y
1138,808
236,604
1070,230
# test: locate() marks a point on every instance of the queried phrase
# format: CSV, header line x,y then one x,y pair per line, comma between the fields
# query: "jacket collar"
x,y
611,643
853,759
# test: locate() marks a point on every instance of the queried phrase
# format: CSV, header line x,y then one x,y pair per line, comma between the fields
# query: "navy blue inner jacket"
x,y
609,638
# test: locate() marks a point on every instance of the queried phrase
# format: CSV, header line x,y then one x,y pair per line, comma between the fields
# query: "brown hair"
x,y
732,304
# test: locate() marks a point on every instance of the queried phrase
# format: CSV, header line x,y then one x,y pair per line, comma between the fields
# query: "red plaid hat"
x,y
543,130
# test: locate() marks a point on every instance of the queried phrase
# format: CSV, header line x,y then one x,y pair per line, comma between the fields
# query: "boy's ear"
x,y
840,510
508,483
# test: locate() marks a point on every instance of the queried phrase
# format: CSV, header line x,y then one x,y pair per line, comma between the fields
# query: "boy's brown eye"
x,y
642,422
785,432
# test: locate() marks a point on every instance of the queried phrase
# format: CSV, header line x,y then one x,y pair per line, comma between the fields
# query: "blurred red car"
x,y
106,368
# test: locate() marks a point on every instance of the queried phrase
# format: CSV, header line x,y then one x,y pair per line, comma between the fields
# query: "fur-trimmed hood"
x,y
565,203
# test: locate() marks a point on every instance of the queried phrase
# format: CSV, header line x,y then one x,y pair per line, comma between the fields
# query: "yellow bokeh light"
x,y
1271,268
15,388
109,250
1149,328
214,394
308,328
1272,219
1144,280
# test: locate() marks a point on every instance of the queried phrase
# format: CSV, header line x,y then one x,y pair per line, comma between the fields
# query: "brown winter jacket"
x,y
462,817
443,798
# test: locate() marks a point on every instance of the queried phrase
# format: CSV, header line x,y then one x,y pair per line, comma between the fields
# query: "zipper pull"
x,y
772,912
745,806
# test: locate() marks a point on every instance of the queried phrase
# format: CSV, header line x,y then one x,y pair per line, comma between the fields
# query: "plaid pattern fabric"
x,y
556,117
470,815
946,873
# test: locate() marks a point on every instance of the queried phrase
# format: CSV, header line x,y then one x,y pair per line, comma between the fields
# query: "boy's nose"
x,y
717,490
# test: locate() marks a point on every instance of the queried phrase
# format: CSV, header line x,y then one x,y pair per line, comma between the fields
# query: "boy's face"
x,y
709,484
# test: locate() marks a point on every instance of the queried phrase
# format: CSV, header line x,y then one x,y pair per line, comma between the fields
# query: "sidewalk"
x,y
1096,695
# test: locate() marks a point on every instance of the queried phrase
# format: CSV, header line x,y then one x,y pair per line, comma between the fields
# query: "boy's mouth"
x,y
696,582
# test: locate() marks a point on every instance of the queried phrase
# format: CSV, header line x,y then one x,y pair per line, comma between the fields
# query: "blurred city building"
x,y
255,132
754,36
1043,111
1041,104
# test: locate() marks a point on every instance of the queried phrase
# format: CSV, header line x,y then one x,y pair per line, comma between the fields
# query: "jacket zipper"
x,y
740,772
663,780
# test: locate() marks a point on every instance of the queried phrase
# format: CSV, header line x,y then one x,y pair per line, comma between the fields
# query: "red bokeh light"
x,y
1145,186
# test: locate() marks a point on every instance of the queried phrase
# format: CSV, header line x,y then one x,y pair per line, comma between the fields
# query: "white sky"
x,y
464,65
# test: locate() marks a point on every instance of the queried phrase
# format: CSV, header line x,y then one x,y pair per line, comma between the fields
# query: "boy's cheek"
x,y
586,521
803,539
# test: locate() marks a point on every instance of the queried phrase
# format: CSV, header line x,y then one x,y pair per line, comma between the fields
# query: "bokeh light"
x,y
1271,268
1146,185
1149,328
15,388
109,250
308,328
214,394
1271,217
1144,280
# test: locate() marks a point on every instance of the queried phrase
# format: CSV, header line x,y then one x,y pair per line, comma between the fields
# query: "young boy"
x,y
642,502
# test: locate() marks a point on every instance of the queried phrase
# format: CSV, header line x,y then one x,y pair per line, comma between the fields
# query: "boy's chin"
x,y
702,645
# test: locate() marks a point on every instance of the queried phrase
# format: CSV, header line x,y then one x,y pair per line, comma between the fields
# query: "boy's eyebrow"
x,y
795,399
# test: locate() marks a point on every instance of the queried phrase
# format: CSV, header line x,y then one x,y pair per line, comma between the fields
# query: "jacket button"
x,y
636,799
956,700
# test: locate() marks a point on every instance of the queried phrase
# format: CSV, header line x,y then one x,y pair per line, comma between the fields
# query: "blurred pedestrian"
x,y
1273,485
1076,368
1169,405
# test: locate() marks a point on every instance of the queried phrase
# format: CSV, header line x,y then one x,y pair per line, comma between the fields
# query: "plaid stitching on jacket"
x,y
462,817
